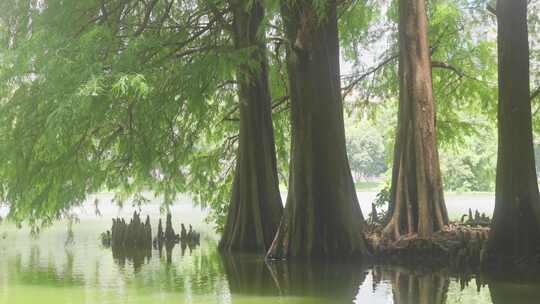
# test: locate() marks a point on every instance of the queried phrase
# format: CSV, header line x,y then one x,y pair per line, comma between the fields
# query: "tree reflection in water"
x,y
136,257
315,279
514,293
204,272
139,257
248,275
414,287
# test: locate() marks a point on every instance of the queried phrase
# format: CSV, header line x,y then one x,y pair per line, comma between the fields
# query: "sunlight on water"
x,y
47,270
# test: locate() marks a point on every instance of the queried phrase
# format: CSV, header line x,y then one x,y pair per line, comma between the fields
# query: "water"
x,y
47,270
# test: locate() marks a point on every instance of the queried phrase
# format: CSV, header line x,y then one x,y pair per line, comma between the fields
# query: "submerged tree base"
x,y
457,246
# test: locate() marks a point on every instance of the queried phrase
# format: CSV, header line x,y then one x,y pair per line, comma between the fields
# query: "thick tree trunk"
x,y
256,206
514,240
416,200
322,216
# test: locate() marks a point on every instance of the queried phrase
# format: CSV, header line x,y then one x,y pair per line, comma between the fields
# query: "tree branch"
x,y
279,101
348,89
535,93
491,9
444,65
142,26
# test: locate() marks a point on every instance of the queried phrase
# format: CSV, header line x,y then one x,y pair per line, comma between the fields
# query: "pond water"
x,y
55,269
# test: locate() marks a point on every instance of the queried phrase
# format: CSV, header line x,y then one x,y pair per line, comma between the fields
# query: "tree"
x,y
142,108
322,216
514,239
416,199
256,207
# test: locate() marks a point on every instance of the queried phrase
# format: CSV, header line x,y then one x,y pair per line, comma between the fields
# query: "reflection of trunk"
x,y
416,201
322,215
417,288
338,282
515,293
256,206
514,239
248,275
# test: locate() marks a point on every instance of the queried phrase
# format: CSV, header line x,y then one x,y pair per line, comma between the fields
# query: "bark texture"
x,y
256,206
322,216
416,200
514,240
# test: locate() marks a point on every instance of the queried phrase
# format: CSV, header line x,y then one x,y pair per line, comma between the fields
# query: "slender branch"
x,y
444,65
457,71
279,101
149,9
491,9
535,93
348,89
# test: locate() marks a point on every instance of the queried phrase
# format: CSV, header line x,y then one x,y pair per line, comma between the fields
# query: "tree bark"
x,y
256,206
416,200
514,240
322,216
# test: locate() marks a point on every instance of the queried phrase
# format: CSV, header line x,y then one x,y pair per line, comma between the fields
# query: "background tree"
x,y
322,216
365,150
256,207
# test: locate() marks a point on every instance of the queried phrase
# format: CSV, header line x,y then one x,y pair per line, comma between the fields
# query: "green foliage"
x,y
383,197
130,96
366,150
94,98
471,165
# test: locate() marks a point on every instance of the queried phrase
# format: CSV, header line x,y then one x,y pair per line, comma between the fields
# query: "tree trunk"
x,y
514,240
256,206
416,199
322,216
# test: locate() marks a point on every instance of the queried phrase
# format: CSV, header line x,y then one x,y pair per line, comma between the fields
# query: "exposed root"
x,y
457,246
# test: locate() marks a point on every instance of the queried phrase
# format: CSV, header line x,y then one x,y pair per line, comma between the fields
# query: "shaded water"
x,y
47,270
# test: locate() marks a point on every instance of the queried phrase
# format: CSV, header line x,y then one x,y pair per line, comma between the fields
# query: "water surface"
x,y
48,269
